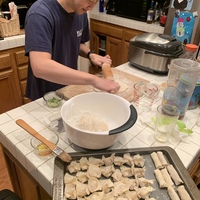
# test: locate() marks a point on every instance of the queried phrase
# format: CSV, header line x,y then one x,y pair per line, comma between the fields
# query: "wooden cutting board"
x,y
73,90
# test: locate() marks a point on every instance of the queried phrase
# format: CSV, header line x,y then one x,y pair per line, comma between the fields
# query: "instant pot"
x,y
153,52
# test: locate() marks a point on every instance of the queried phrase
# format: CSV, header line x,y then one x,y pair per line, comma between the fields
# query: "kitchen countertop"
x,y
17,141
19,40
129,23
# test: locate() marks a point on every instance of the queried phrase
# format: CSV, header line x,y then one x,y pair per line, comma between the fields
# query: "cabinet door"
x,y
125,52
9,83
29,189
94,42
113,48
22,67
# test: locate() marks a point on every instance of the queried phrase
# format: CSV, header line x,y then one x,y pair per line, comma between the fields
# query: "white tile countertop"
x,y
129,23
17,140
12,42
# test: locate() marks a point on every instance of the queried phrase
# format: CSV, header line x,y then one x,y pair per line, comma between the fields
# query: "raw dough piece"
x,y
167,177
123,87
160,179
183,193
172,193
162,158
156,160
174,175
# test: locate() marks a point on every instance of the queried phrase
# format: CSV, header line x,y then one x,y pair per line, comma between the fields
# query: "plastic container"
x,y
195,99
182,78
190,51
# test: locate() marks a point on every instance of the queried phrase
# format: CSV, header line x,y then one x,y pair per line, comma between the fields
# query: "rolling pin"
x,y
107,71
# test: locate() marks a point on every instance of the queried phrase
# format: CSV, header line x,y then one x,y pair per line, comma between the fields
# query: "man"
x,y
55,34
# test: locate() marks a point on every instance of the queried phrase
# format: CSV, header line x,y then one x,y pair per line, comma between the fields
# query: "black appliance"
x,y
110,7
133,9
22,8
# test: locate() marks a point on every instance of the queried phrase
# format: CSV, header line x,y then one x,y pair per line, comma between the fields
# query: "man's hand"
x,y
99,60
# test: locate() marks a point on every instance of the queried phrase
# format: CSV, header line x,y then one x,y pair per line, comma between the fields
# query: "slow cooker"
x,y
153,52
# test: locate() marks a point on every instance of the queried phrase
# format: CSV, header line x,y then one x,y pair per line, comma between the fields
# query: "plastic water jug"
x,y
182,77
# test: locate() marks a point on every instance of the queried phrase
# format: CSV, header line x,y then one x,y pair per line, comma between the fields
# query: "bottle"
x,y
101,6
190,51
150,14
156,13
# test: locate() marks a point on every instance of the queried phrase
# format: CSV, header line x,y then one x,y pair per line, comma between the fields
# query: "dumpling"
x,y
69,178
128,159
122,197
82,176
84,163
144,192
138,160
109,196
172,193
156,160
119,188
138,172
81,189
94,171
183,193
117,175
126,171
174,175
143,182
162,158
108,160
106,185
132,195
107,171
95,196
74,166
118,161
93,184
131,183
95,161
70,191
160,178
167,177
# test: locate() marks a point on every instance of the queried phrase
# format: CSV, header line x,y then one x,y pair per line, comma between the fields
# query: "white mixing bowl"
x,y
118,114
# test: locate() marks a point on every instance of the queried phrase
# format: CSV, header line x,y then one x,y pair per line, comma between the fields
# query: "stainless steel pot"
x,y
153,52
117,112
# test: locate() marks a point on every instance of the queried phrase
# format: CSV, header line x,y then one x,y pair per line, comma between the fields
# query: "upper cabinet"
x,y
111,39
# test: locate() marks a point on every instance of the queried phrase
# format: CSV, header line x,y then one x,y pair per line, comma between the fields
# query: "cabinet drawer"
x,y
20,57
5,60
109,30
22,72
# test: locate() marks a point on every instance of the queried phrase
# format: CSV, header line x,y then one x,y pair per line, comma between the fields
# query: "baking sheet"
x,y
171,156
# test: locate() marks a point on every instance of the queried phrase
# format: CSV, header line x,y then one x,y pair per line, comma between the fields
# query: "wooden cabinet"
x,y
22,67
24,185
194,170
9,83
112,40
13,69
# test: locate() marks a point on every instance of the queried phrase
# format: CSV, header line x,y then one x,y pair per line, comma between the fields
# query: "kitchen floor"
x,y
4,177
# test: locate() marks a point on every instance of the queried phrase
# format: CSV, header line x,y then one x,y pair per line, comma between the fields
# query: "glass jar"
x,y
190,51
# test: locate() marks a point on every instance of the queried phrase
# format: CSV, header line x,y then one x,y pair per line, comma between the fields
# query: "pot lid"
x,y
161,43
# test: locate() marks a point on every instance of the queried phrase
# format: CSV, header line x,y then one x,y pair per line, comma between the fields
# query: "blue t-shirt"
x,y
49,28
